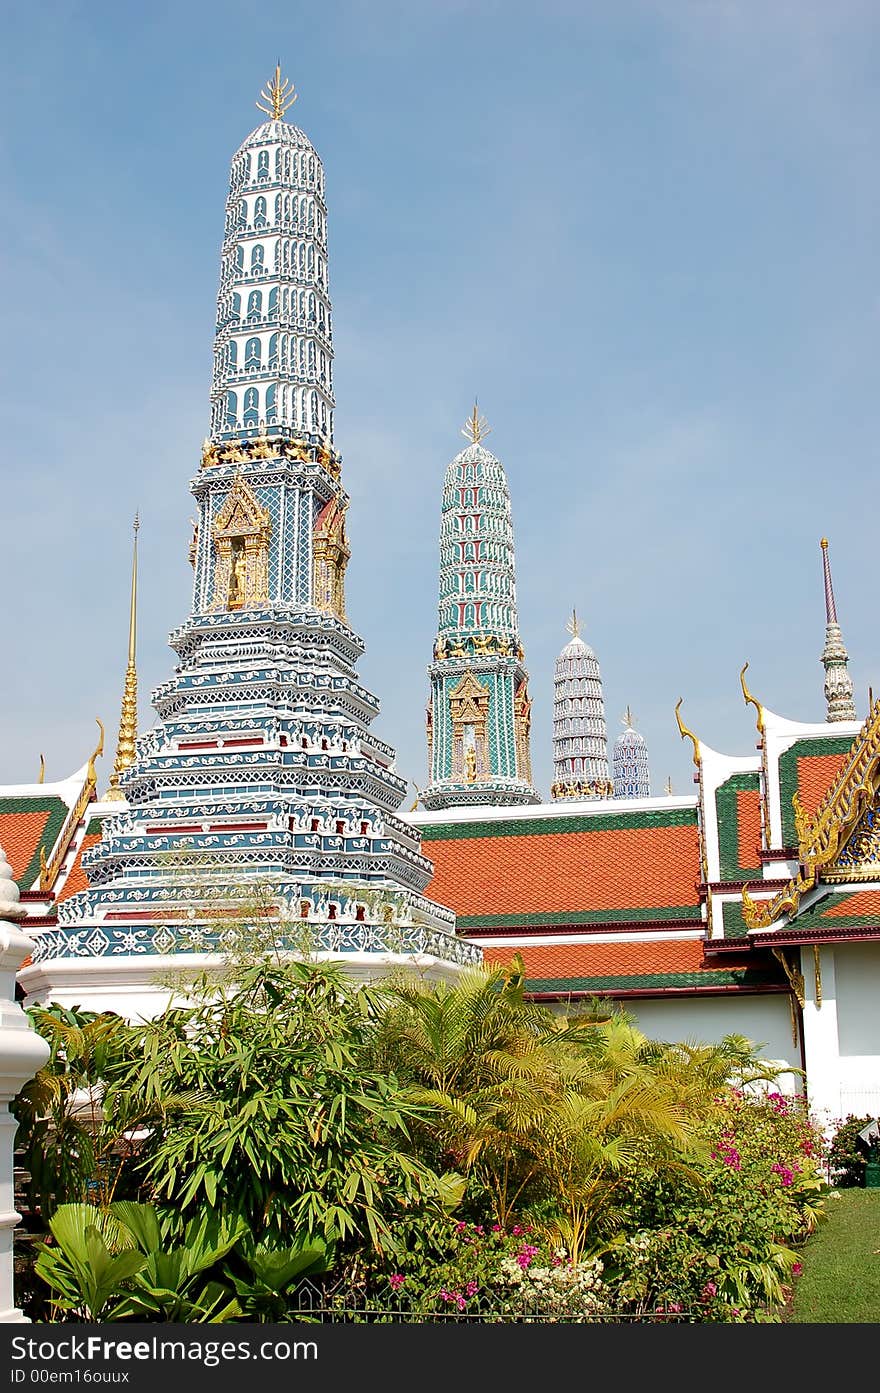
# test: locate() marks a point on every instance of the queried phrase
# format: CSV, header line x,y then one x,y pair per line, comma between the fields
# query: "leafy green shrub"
x,y
263,1108
846,1163
724,1242
495,1275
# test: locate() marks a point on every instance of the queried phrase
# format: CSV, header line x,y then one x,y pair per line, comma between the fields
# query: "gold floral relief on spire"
x,y
476,427
280,96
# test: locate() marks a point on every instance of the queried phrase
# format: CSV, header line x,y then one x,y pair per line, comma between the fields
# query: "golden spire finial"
x,y
628,720
125,744
280,96
683,731
573,627
476,427
750,700
41,778
669,786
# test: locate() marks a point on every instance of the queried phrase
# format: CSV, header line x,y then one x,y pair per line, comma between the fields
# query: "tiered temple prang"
x,y
479,711
261,794
580,736
632,776
835,659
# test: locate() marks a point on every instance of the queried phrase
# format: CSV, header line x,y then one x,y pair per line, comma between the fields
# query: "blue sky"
x,y
644,234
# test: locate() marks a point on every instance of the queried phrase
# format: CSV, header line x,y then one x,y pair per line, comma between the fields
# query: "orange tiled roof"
x,y
748,821
27,822
76,878
612,873
863,903
586,959
814,775
20,836
625,966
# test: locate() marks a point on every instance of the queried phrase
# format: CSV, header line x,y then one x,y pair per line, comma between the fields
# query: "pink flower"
x,y
675,1306
471,1289
525,1255
516,1230
709,1290
797,1269
461,1227
396,1281
496,1228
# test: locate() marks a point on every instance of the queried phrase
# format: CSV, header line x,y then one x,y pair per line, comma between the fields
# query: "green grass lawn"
x,y
840,1283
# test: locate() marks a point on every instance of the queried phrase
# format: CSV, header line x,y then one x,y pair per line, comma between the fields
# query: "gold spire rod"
x,y
573,627
683,731
476,427
669,786
125,744
42,775
280,96
628,719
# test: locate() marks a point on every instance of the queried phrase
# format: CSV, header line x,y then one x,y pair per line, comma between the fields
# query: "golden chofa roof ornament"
x,y
280,96
476,427
751,700
684,732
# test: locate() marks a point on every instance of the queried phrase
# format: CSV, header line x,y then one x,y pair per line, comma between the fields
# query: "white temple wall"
x,y
765,1020
842,1034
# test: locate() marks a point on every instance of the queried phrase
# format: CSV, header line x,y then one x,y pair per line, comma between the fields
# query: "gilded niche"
x,y
330,555
522,722
240,533
469,709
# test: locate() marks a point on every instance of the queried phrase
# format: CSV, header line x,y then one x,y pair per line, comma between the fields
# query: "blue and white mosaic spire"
x,y
580,736
632,776
273,350
479,712
261,783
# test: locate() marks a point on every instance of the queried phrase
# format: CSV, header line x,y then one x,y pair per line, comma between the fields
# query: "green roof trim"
x,y
545,826
732,919
727,811
722,977
57,810
788,781
589,916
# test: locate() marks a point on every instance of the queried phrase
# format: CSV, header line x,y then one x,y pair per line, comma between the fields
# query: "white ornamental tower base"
x,y
22,1053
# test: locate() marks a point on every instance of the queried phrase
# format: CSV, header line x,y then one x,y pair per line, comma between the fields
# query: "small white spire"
x,y
10,908
835,659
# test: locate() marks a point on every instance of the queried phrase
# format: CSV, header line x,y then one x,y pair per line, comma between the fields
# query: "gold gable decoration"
x,y
469,709
831,843
330,556
240,533
522,724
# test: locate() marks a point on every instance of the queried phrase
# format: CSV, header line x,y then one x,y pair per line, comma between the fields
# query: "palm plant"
x,y
68,1146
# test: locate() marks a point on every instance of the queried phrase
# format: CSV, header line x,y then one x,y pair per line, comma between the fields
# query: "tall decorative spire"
x,y
125,744
835,659
580,737
632,777
479,713
262,790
